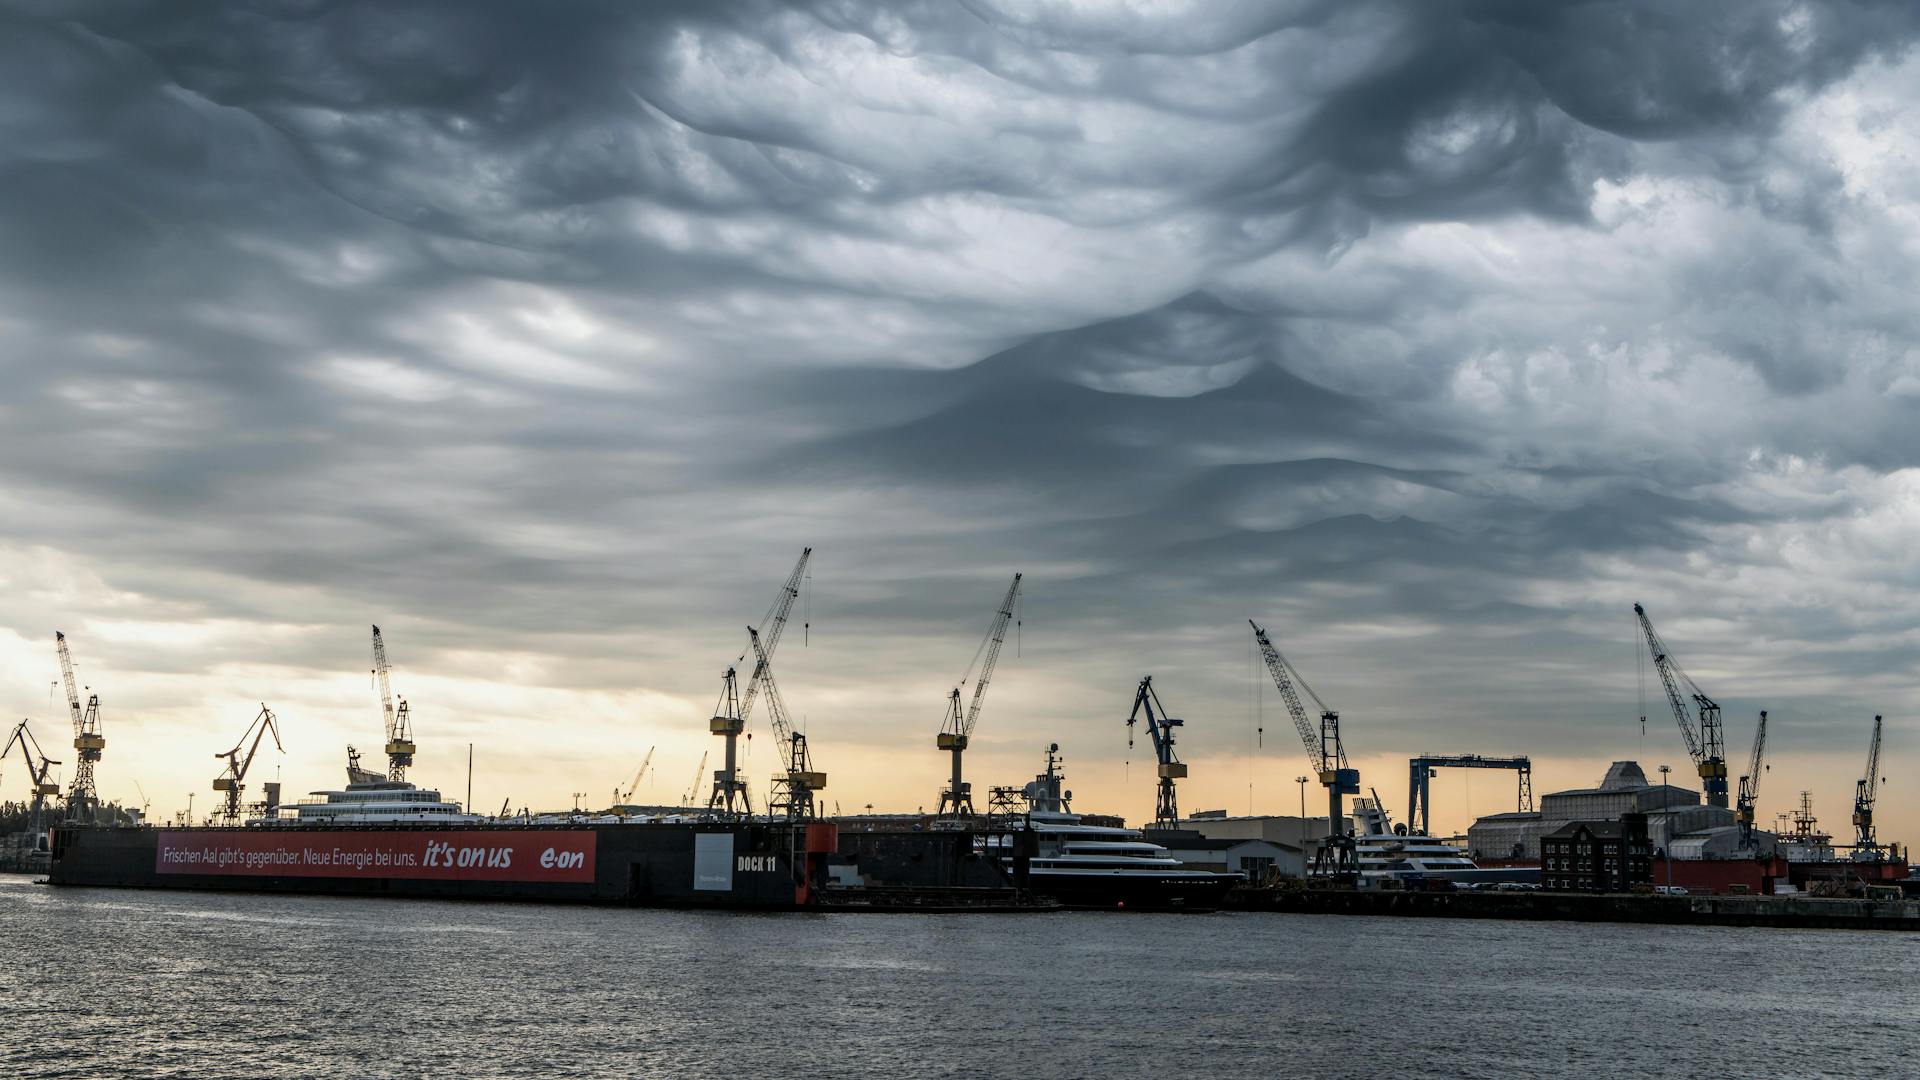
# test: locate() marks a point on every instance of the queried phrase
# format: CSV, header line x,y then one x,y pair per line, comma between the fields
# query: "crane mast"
x,y
1146,703
1866,847
1748,791
1706,745
735,708
1325,751
232,781
83,798
957,731
398,723
619,797
38,766
793,792
699,774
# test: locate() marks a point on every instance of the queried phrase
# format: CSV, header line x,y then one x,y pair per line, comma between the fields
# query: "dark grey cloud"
x,y
1433,334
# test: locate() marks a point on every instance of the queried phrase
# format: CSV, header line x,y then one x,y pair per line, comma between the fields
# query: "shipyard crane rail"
x,y
620,798
1146,702
232,780
38,766
1324,749
1866,847
1748,791
792,792
1420,790
398,722
735,708
1705,742
957,731
83,798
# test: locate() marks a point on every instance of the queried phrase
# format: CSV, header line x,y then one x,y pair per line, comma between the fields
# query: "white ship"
x,y
371,799
1384,852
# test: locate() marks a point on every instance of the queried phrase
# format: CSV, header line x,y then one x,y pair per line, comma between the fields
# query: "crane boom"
x,y
1146,702
775,621
957,731
88,744
793,793
38,766
1324,749
1749,787
398,723
1706,743
627,796
1866,847
730,716
233,780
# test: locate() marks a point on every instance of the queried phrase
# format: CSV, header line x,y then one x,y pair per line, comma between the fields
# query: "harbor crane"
x,y
957,731
38,766
1146,702
1420,791
1866,847
735,707
231,782
793,792
83,798
622,798
693,789
399,725
1748,791
1324,749
1705,743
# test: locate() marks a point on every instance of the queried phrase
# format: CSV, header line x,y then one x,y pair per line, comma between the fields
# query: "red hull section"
x,y
556,856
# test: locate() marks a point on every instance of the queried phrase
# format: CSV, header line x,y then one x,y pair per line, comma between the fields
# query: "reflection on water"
x,y
99,982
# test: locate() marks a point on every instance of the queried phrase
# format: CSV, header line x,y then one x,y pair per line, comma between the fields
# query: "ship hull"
x,y
720,864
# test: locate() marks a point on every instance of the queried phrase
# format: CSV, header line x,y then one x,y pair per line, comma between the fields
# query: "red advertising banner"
x,y
470,856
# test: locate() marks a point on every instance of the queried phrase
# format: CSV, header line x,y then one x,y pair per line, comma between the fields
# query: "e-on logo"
x,y
561,860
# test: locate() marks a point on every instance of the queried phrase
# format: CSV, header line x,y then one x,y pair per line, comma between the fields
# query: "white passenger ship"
x,y
371,799
1384,852
1104,866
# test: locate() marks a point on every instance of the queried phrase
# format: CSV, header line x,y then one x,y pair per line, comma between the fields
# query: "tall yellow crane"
x,y
232,781
735,708
1324,749
793,792
83,798
398,723
623,797
957,731
699,774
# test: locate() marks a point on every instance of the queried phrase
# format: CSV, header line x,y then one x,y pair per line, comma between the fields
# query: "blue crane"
x,y
1146,702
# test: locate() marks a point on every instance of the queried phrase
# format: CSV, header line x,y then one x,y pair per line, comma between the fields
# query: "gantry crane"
x,y
792,792
38,766
399,725
233,780
1324,749
1146,701
83,799
1706,744
1866,847
957,731
1420,790
1749,788
735,708
622,798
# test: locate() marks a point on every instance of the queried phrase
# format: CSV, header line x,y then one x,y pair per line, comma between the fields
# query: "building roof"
x,y
1624,776
1607,830
1185,842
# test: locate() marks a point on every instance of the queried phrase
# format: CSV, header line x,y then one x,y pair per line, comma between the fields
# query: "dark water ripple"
x,y
119,983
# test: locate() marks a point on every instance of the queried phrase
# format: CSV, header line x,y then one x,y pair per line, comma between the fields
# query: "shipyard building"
x,y
1678,821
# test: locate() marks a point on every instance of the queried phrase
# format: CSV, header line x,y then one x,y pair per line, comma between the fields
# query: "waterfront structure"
x,y
1676,819
1597,856
1260,860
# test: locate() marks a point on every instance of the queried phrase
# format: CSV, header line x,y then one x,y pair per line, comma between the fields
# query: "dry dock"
x,y
1777,911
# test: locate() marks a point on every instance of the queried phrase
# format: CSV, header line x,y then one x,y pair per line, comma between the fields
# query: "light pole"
x,y
1666,794
1302,781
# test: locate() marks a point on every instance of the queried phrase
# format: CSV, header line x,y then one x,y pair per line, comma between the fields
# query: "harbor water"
x,y
135,983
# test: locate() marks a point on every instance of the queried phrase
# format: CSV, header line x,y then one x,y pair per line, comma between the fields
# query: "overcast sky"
x,y
1431,335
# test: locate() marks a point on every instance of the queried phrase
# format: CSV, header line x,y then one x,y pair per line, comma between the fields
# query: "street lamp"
x,y
1666,795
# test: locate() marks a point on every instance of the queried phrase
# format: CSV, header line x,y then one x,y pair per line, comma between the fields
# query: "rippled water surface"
x,y
125,983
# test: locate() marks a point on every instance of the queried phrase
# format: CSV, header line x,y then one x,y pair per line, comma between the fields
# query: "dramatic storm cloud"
x,y
1431,335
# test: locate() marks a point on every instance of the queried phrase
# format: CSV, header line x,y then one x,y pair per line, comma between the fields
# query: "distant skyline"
x,y
1431,336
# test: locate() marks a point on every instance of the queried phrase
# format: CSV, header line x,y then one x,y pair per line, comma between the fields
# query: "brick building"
x,y
1597,856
